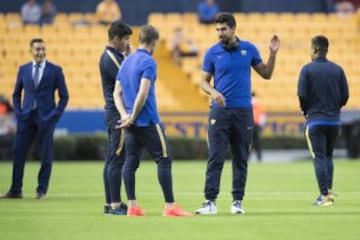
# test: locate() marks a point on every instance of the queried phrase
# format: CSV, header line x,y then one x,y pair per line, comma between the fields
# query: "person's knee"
x,y
164,162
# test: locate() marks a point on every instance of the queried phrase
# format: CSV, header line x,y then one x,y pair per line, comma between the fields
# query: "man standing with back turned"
x,y
229,62
36,114
322,91
118,33
134,97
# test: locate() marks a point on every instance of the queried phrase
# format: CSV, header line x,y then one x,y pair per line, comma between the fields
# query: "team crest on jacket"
x,y
243,52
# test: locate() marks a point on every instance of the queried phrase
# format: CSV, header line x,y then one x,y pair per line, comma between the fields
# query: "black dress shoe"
x,y
40,196
12,195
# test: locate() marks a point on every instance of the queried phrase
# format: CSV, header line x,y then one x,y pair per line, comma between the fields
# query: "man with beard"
x,y
229,62
36,114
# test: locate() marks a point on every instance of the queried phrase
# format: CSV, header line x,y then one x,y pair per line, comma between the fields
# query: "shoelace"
x,y
237,204
205,204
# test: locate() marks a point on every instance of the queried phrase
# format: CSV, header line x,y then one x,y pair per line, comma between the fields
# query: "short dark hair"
x,y
227,18
148,34
320,44
119,28
36,40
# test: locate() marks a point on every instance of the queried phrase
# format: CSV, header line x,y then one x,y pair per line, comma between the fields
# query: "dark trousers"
x,y
256,141
153,139
234,126
25,135
321,140
114,158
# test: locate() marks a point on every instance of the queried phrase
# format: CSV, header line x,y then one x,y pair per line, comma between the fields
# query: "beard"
x,y
224,40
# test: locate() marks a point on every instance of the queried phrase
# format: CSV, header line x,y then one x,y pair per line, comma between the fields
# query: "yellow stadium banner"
x,y
194,124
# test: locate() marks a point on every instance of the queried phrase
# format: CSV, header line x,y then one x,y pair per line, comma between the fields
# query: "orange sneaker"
x,y
135,211
175,211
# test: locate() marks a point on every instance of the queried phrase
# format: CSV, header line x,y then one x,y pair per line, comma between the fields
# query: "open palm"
x,y
274,43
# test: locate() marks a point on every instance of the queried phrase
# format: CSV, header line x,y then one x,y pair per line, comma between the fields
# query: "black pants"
x,y
153,139
321,140
114,158
234,126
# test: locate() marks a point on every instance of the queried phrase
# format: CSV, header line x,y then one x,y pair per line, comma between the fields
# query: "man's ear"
x,y
316,49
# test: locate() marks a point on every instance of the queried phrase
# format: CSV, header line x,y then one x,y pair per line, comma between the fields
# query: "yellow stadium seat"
x,y
190,18
156,18
271,17
254,17
32,30
48,30
240,18
173,19
76,17
190,64
90,17
61,18
302,17
13,18
286,17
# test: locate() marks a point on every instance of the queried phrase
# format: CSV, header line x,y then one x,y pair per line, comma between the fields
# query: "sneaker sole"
x,y
165,215
208,213
327,204
238,212
324,204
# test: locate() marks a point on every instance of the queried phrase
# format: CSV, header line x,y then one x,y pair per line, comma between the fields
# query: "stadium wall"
x,y
136,11
178,124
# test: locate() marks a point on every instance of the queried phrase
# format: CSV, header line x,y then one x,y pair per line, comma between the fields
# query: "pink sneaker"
x,y
175,211
135,211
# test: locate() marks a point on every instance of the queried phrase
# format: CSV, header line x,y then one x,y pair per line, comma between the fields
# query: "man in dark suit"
x,y
36,114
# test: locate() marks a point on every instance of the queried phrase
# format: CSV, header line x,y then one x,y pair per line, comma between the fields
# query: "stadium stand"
x,y
77,47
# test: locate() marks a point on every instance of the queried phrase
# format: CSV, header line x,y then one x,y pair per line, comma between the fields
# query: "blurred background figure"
x,y
5,106
356,4
182,46
344,7
259,124
7,128
31,12
107,11
48,12
207,11
329,6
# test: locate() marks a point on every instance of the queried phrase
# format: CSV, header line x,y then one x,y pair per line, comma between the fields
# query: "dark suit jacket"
x,y
52,79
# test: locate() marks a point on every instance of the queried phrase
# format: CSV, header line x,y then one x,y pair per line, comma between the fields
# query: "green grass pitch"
x,y
277,204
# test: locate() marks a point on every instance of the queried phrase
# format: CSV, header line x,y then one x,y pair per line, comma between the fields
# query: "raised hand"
x,y
274,43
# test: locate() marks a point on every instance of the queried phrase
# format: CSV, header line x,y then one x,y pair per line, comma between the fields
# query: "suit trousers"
x,y
26,132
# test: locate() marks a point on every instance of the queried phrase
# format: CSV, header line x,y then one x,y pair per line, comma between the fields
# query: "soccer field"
x,y
277,204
